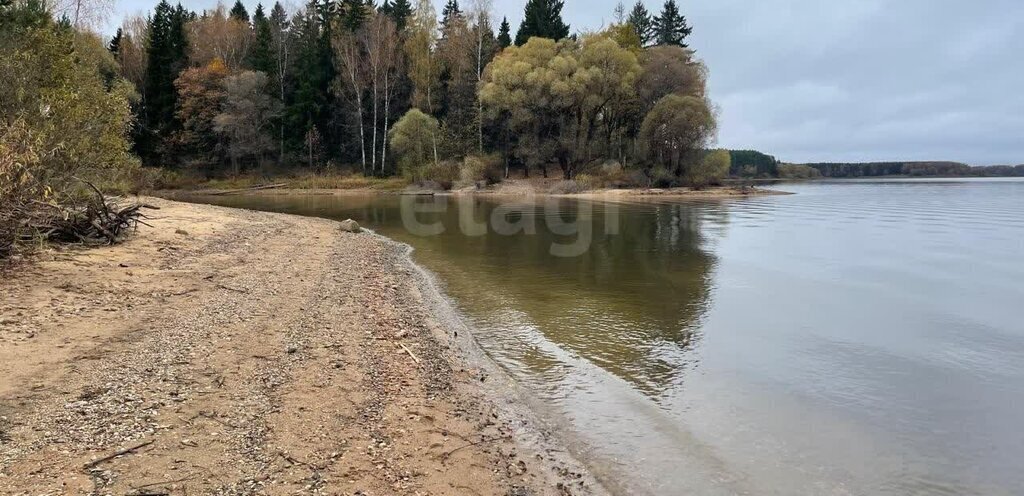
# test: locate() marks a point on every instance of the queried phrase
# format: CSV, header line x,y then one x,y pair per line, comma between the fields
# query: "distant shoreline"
x,y
513,187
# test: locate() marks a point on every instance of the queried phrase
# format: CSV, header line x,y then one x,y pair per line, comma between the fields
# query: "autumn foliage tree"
x,y
200,96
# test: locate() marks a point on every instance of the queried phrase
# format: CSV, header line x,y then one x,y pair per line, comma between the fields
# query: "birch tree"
x,y
351,78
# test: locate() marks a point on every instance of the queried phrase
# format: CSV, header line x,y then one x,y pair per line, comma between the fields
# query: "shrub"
x,y
710,170
413,139
798,171
567,187
609,174
444,174
662,178
476,168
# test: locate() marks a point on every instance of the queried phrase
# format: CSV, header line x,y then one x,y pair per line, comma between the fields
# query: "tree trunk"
x,y
479,79
362,132
374,148
387,116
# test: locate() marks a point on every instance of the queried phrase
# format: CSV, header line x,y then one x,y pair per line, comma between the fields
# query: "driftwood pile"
x,y
93,220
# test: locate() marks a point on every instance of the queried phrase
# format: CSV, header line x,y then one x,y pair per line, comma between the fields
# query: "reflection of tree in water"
x,y
631,304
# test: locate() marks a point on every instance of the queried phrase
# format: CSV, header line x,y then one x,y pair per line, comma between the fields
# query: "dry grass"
x,y
164,180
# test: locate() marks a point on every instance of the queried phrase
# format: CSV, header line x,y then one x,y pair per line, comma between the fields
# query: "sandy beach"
x,y
225,351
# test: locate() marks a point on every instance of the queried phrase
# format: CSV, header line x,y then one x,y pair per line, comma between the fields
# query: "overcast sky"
x,y
844,80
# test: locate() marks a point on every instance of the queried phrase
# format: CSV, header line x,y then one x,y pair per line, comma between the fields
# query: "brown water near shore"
x,y
859,337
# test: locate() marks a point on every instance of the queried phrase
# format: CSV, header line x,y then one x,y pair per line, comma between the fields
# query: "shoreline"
x,y
241,351
614,194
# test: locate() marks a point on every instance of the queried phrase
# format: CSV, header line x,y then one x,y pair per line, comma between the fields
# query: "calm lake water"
x,y
859,337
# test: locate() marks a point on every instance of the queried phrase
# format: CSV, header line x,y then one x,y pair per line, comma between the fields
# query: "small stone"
x,y
349,225
181,232
291,350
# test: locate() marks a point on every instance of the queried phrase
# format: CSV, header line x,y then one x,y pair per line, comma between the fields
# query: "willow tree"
x,y
676,131
670,70
558,96
412,139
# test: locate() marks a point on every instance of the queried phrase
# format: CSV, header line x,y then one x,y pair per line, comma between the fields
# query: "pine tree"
x,y
504,34
543,18
670,27
238,12
642,23
115,43
261,58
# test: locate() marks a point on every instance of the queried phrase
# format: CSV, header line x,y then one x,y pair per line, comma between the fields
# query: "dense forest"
x,y
754,164
340,87
398,89
915,169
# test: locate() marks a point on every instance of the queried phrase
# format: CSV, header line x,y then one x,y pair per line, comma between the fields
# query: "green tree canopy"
x,y
261,55
412,139
239,13
542,19
676,131
670,28
560,97
642,23
504,34
710,170
399,12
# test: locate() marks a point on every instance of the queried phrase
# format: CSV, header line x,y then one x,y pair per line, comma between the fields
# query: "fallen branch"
x,y
254,188
117,453
445,456
138,490
96,220
407,350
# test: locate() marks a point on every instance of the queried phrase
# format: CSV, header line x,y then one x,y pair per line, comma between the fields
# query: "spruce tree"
x,y
261,58
642,23
670,27
309,97
399,11
504,34
167,49
451,10
239,13
353,14
115,43
543,18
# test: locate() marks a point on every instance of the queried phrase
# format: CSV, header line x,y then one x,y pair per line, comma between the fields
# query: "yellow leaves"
x,y
217,67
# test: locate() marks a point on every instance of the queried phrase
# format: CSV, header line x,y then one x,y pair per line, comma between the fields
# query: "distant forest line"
x,y
754,164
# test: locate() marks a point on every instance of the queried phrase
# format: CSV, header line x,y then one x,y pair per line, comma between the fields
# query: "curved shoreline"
x,y
229,351
539,432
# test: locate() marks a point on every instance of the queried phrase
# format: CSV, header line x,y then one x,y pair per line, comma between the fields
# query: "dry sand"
x,y
225,351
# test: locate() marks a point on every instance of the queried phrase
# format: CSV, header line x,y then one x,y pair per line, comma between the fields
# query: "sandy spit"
x,y
225,351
